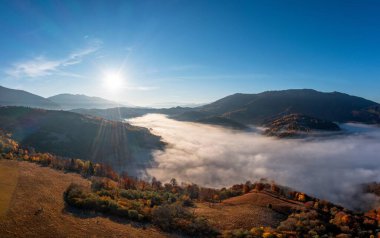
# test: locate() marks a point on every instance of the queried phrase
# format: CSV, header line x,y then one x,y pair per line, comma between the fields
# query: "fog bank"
x,y
329,167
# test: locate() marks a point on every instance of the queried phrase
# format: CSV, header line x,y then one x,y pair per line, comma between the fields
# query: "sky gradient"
x,y
178,52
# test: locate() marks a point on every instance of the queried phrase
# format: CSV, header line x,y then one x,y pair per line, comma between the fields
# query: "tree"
x,y
156,185
259,186
90,169
173,182
275,188
72,165
247,187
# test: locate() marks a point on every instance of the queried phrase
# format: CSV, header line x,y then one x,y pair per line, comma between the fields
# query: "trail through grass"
x,y
8,181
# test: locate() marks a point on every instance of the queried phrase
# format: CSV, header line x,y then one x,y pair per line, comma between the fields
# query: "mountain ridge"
x,y
256,109
16,97
70,101
64,101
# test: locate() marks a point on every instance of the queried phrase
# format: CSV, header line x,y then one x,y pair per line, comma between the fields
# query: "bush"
x,y
133,214
74,193
175,217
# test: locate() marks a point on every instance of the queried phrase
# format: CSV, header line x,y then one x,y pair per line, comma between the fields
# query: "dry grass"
x,y
8,182
37,209
247,211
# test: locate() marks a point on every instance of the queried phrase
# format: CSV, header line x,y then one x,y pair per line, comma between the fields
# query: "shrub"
x,y
187,202
133,214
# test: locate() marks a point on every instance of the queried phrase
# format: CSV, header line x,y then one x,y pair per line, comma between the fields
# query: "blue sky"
x,y
169,52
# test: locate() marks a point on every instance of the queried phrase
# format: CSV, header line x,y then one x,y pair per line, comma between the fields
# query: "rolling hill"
x,y
74,101
74,135
13,97
258,109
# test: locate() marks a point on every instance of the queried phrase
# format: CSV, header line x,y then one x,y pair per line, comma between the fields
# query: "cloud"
x,y
41,66
329,168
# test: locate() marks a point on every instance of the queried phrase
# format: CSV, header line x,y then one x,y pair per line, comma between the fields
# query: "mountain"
x,y
74,101
13,97
74,135
257,109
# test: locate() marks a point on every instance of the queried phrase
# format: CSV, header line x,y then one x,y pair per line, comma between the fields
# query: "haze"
x,y
327,167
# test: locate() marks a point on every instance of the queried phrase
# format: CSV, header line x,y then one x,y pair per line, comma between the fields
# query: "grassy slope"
x,y
37,209
8,181
247,211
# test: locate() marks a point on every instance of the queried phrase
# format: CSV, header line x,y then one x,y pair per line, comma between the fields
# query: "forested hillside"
x,y
73,135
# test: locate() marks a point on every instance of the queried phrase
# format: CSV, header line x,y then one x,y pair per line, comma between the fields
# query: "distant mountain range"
x,y
258,109
236,111
241,110
73,101
13,97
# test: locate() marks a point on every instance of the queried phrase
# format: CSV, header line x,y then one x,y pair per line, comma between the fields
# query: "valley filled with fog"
x,y
329,167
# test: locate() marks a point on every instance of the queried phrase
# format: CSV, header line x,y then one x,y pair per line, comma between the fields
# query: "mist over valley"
x,y
330,167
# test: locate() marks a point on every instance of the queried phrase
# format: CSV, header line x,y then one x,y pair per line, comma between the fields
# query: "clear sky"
x,y
162,52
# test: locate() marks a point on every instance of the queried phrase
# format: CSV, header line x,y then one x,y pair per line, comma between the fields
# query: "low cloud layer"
x,y
329,167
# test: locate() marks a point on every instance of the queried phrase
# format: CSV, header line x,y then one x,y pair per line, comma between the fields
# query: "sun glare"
x,y
113,81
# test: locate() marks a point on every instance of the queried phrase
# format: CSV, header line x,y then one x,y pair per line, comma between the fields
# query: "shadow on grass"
x,y
87,214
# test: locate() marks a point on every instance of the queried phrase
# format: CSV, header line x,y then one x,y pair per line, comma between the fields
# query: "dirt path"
x,y
8,181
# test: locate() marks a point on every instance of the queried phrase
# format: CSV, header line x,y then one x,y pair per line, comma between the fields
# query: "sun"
x,y
113,81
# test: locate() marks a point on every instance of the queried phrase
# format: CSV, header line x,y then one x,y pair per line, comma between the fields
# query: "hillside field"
x,y
37,208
